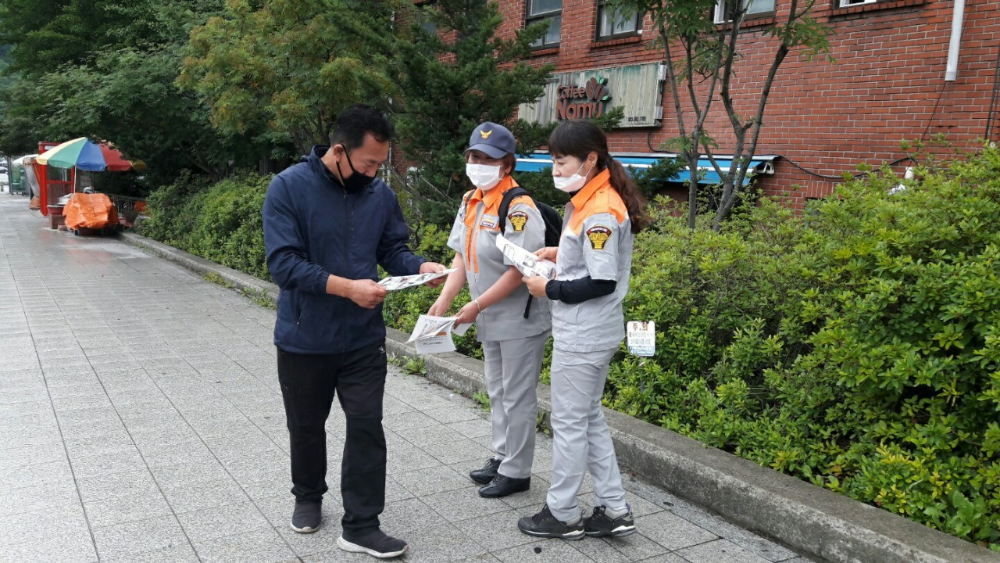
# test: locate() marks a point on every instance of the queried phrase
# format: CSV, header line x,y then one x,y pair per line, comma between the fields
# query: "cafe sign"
x,y
591,93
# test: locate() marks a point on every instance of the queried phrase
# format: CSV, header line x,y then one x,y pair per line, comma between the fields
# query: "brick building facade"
x,y
887,83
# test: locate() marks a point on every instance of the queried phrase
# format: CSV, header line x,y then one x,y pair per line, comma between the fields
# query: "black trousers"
x,y
308,384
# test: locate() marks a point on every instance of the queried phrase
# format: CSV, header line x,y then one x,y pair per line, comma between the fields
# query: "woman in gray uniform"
x,y
593,261
512,330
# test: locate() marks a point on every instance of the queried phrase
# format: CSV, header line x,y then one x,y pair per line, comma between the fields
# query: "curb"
x,y
808,519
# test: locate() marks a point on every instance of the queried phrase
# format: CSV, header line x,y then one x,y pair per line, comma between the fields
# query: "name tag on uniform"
x,y
489,221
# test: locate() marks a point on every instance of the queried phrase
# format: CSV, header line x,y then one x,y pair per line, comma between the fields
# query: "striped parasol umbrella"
x,y
84,154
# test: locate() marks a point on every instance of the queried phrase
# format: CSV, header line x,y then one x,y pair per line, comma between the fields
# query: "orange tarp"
x,y
90,211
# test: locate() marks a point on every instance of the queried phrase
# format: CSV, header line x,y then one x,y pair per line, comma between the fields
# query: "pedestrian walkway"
x,y
141,421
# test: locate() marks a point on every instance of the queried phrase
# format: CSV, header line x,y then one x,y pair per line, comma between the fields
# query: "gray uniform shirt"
x,y
596,241
474,236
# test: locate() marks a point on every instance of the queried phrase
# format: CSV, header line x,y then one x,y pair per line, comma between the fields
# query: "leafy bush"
x,y
220,222
855,346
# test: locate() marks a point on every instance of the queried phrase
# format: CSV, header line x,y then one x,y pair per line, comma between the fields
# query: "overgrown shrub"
x,y
220,222
855,346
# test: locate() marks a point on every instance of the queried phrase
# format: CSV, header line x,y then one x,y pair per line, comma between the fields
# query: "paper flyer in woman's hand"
x,y
526,262
403,282
432,335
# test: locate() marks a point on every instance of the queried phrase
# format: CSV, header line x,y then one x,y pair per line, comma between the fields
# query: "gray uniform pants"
x,y
580,435
512,368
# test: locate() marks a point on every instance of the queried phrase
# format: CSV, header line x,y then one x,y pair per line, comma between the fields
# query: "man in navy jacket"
x,y
328,222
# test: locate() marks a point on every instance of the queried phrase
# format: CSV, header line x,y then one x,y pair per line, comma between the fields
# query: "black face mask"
x,y
356,181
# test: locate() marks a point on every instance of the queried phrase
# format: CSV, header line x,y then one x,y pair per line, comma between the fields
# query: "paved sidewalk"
x,y
141,421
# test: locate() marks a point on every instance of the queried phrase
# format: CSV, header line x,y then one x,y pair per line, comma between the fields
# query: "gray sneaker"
x,y
307,516
600,524
377,544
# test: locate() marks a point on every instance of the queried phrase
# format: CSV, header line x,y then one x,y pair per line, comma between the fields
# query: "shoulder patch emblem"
x,y
519,219
598,235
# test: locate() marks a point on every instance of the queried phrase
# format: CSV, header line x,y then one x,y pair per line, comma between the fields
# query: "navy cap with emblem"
x,y
495,140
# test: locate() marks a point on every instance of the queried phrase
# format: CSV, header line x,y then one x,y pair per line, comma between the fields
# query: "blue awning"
x,y
538,161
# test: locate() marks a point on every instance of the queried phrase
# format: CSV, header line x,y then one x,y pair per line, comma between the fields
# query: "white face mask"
x,y
571,184
483,176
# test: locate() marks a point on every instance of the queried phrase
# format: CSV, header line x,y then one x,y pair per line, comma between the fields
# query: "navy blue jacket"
x,y
314,228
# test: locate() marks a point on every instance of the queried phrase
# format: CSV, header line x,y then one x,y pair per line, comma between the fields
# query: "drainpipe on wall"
x,y
951,70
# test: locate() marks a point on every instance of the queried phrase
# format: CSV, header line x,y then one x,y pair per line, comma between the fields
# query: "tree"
x,y
700,49
282,70
122,88
455,73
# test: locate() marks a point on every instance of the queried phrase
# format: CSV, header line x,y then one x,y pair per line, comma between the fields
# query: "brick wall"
x,y
886,85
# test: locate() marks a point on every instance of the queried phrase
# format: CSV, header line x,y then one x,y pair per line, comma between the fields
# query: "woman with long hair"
x,y
593,261
512,327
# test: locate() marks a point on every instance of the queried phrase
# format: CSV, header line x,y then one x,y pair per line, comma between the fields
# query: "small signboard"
x,y
641,338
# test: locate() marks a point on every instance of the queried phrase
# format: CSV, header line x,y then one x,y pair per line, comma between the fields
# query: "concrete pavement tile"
x,y
323,540
409,459
635,547
424,436
212,523
63,404
34,473
21,408
87,416
496,532
182,553
124,509
183,475
458,450
747,540
94,428
36,495
205,495
534,497
473,428
402,517
259,545
719,551
423,482
410,419
453,413
64,519
394,491
549,551
30,455
192,451
116,485
162,435
34,394
64,548
464,504
443,544
98,444
672,531
154,534
123,459
666,558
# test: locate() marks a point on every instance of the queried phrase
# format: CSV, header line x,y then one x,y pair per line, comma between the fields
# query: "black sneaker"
x,y
600,524
307,516
487,473
377,544
545,525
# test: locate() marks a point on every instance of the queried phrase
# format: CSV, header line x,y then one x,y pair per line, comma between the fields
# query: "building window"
x,y
849,3
755,8
546,11
617,22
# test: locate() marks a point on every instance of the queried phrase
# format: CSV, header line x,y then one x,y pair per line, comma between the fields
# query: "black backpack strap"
x,y
509,196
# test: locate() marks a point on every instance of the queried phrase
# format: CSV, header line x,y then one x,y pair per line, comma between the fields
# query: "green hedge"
x,y
855,345
220,222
